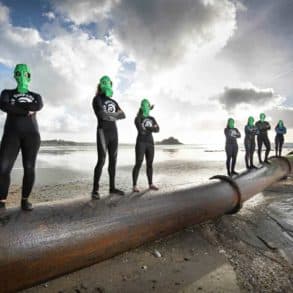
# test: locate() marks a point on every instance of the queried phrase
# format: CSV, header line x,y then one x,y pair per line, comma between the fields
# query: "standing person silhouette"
x,y
263,138
231,146
21,132
279,138
108,112
249,142
145,125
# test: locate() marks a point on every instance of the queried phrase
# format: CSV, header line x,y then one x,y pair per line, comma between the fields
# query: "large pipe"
x,y
60,237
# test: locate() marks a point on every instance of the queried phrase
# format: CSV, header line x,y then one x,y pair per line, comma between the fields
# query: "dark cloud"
x,y
158,32
233,97
261,48
161,31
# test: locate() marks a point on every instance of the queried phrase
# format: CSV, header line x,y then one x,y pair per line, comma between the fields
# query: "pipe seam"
x,y
235,186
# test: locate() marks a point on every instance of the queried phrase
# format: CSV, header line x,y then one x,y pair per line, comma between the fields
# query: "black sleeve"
x,y
155,128
257,126
268,126
35,106
247,130
137,123
9,108
119,114
99,110
238,135
254,130
250,130
227,132
260,126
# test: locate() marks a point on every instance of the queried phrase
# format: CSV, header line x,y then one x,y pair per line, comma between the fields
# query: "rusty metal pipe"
x,y
61,237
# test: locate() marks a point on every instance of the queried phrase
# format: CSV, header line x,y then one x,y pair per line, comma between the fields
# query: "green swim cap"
x,y
250,121
106,86
231,123
22,76
145,107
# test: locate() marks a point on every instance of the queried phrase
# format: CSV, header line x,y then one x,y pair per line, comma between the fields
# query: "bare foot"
x,y
135,189
153,187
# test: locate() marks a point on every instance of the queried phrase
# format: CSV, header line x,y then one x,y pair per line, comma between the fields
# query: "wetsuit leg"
x,y
29,145
252,149
140,149
112,151
247,145
101,148
276,145
10,146
259,147
234,156
268,147
281,142
228,150
149,155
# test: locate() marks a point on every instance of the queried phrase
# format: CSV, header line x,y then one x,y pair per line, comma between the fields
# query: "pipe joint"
x,y
235,186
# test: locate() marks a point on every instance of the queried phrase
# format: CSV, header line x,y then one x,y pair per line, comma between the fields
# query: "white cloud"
x,y
65,71
85,11
50,15
4,14
160,33
176,48
190,78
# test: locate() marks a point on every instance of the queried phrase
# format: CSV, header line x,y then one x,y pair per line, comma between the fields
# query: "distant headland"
x,y
171,140
60,142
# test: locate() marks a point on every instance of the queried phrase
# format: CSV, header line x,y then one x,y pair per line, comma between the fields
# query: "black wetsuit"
x,y
21,132
279,139
262,138
144,146
231,148
107,111
249,143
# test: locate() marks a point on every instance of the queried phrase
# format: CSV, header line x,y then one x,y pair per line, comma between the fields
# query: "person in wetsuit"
x,y
249,142
107,111
21,132
262,137
231,146
145,125
279,138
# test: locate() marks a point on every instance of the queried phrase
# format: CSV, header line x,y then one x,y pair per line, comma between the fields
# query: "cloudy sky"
x,y
199,61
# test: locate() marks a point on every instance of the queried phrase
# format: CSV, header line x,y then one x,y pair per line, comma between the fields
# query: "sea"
x,y
173,164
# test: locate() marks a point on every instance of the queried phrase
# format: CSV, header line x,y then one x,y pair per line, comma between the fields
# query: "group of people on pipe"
x,y
21,133
260,130
108,112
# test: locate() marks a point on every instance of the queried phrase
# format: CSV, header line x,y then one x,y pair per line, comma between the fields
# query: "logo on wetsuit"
x,y
22,98
147,123
109,107
233,133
